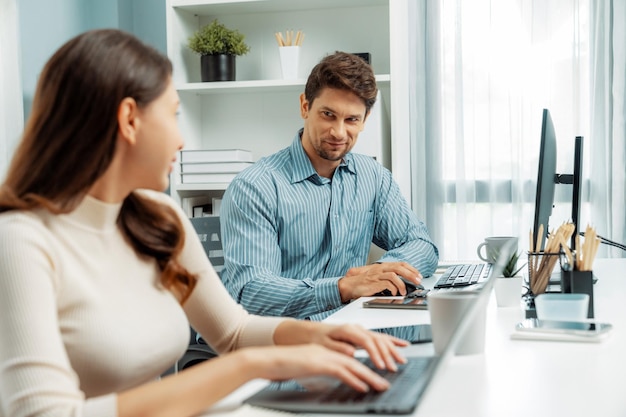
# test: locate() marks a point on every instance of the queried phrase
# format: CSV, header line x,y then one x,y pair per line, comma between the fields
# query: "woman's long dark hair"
x,y
70,138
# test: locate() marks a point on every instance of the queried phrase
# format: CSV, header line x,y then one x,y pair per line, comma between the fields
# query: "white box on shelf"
x,y
213,167
199,211
221,177
217,203
189,203
215,155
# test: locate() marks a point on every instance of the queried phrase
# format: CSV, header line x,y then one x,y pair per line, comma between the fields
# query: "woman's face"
x,y
158,140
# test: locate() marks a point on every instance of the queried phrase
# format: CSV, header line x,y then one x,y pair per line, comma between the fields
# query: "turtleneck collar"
x,y
95,214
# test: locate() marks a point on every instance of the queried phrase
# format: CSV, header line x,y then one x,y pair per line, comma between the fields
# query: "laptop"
x,y
408,384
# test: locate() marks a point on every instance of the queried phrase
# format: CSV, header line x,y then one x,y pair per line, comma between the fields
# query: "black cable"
x,y
608,242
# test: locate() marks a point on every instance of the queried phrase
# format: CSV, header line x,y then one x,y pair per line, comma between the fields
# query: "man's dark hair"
x,y
343,71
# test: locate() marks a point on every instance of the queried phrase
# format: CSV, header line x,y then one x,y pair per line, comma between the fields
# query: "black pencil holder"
x,y
534,260
528,298
580,282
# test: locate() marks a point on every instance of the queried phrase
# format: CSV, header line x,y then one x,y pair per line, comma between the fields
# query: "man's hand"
x,y
371,279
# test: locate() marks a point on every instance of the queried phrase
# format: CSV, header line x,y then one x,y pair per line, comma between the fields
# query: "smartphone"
x,y
570,327
562,330
406,302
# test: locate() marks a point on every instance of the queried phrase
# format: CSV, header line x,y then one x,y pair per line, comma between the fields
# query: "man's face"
x,y
331,125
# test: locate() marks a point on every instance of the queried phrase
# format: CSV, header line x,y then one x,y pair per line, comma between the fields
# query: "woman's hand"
x,y
382,348
192,390
279,363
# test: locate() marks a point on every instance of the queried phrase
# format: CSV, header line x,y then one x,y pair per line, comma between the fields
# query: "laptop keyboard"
x,y
463,275
406,374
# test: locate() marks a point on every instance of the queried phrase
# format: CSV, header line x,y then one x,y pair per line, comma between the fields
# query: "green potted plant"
x,y
510,269
508,286
218,46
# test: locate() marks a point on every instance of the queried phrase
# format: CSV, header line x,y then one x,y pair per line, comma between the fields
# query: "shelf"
x,y
191,190
260,111
255,86
225,7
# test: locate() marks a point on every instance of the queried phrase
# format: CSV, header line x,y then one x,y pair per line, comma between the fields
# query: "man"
x,y
297,225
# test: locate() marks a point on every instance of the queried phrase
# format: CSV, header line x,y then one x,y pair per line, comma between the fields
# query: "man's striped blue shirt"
x,y
289,234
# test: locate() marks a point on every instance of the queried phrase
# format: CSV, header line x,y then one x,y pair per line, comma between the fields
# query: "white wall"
x,y
44,25
11,115
30,32
146,19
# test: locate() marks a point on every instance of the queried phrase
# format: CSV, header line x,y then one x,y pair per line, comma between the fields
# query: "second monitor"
x,y
547,178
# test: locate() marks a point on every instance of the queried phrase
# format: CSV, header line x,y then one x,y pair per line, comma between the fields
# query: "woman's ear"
x,y
127,120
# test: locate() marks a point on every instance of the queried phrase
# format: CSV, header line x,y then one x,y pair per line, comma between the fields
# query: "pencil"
x,y
290,39
578,254
539,238
279,39
531,258
568,252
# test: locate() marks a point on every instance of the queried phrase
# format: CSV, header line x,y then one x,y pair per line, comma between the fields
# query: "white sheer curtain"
x,y
11,107
608,122
484,70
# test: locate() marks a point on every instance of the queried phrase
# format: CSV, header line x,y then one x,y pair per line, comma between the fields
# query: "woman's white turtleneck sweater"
x,y
82,316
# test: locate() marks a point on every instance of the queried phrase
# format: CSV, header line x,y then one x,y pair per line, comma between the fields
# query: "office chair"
x,y
208,230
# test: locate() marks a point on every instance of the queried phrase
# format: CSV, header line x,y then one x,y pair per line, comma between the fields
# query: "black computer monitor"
x,y
544,198
547,178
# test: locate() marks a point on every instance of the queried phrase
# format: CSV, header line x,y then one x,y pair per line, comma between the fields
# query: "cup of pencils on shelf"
x,y
289,47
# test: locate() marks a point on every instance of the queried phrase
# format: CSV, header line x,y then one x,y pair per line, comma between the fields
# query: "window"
x,y
500,62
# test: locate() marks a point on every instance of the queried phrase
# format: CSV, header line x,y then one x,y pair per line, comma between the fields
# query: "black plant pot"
x,y
217,67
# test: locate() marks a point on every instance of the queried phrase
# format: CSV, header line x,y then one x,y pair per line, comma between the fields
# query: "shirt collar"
x,y
302,167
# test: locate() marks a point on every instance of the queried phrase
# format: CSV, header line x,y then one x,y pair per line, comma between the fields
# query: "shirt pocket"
x,y
359,227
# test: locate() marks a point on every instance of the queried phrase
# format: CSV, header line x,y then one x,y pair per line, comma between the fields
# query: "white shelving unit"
x,y
260,111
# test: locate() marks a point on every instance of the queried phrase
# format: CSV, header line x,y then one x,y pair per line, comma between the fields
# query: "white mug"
x,y
493,245
447,309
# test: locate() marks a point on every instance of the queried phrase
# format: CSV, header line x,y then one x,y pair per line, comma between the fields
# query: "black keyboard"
x,y
463,275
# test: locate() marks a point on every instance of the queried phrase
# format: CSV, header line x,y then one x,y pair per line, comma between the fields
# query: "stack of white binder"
x,y
212,165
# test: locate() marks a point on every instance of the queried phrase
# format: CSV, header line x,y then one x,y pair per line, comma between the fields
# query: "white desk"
x,y
520,378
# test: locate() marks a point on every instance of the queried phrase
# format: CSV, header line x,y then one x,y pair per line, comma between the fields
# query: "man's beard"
x,y
322,153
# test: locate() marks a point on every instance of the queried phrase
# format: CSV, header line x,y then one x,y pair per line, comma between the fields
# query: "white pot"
x,y
508,291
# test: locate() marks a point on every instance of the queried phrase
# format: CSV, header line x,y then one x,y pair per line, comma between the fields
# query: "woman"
x,y
100,273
